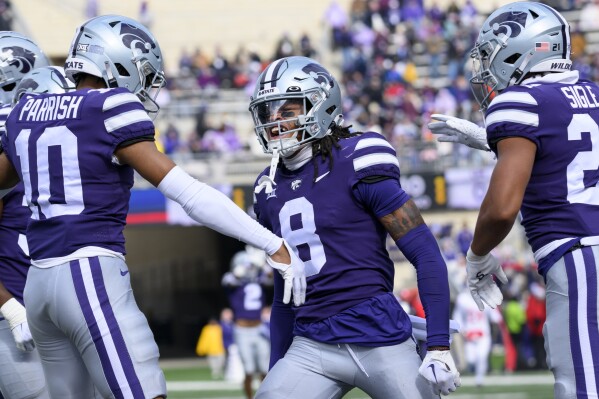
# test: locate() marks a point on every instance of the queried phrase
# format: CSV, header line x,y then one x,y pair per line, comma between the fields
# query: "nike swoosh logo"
x,y
124,273
432,367
321,177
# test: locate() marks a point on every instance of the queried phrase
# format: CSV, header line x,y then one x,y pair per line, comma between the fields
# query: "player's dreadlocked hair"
x,y
325,145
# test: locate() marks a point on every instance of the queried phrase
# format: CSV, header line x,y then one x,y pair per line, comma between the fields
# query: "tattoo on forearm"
x,y
402,220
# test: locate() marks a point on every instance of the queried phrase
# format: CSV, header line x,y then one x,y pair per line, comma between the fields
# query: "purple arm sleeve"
x,y
420,248
281,323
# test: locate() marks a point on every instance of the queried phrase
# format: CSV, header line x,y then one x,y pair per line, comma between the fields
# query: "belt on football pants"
x,y
584,242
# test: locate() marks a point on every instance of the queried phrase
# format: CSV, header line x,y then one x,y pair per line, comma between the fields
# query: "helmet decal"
x,y
509,23
18,57
135,38
319,74
29,85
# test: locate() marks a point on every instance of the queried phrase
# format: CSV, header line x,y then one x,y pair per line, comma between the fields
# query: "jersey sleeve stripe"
x,y
374,159
514,97
125,119
512,116
119,99
373,142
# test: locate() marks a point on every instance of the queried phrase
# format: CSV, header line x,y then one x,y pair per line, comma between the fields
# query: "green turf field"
x,y
192,381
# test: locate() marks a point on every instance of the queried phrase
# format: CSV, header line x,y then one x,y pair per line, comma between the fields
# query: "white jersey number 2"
x,y
306,235
584,160
62,137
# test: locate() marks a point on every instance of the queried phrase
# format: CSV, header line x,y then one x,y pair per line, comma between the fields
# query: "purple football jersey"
x,y
561,201
14,261
62,147
332,232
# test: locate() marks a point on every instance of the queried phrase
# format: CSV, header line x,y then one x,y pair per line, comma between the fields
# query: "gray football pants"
x,y
313,370
89,332
571,330
21,374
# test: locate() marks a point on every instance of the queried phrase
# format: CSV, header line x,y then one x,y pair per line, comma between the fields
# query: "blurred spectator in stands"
x,y
284,47
222,70
145,15
185,61
578,42
412,11
172,141
589,16
305,47
222,139
535,319
464,238
91,9
468,14
434,47
435,13
336,17
6,15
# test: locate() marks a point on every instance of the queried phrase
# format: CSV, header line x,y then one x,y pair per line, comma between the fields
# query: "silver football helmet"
x,y
49,79
122,52
243,266
298,98
18,56
517,39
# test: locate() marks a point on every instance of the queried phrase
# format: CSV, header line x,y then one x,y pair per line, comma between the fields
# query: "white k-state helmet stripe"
x,y
565,32
269,77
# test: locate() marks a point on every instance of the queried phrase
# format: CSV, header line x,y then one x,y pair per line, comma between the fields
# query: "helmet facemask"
x,y
483,83
285,123
151,82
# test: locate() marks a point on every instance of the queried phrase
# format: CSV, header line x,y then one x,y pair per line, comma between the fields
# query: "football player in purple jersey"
x,y
334,198
244,287
21,374
75,154
542,122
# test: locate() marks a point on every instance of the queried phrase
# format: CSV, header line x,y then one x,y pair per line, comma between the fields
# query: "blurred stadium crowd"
x,y
399,62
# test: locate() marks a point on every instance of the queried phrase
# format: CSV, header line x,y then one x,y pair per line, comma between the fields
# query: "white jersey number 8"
x,y
59,136
306,235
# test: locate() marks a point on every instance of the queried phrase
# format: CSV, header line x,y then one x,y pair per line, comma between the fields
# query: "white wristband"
x,y
215,210
13,312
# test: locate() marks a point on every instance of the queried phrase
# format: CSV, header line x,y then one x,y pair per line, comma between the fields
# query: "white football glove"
x,y
439,369
456,130
15,314
481,270
294,275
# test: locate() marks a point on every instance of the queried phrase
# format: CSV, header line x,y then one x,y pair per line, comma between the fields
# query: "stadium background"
x,y
176,266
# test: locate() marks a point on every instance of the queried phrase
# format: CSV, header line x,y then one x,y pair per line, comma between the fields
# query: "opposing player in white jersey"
x,y
475,327
542,121
21,374
76,153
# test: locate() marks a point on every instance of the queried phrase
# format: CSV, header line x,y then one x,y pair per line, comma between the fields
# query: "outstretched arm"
x,y
213,209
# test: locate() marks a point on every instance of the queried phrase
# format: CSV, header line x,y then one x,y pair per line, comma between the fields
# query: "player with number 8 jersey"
x,y
335,197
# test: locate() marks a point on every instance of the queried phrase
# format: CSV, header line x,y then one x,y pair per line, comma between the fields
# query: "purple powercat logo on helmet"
x,y
135,38
319,74
509,23
18,57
